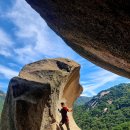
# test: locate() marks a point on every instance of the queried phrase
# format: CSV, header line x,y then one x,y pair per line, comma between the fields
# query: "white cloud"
x,y
39,40
5,43
5,52
11,64
97,80
7,72
4,38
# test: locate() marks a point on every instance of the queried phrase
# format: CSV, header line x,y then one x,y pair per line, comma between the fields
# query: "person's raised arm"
x,y
70,110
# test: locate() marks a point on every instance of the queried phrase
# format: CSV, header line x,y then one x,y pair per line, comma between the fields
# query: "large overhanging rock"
x,y
98,30
33,98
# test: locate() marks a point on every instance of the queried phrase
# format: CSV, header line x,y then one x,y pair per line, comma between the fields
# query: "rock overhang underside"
x,y
99,30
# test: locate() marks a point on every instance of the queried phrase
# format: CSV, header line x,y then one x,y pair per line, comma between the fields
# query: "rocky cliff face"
x,y
98,30
96,99
33,98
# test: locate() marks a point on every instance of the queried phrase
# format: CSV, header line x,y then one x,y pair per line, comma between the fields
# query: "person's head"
x,y
62,104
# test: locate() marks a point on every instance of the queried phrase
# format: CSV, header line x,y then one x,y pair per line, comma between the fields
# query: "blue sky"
x,y
25,38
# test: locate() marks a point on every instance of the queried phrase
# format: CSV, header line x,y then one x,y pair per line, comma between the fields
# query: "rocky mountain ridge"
x,y
107,110
94,101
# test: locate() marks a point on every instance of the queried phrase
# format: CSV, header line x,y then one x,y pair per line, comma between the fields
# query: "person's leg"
x,y
61,125
67,125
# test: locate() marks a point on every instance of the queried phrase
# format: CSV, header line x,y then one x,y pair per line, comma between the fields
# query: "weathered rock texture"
x,y
34,97
98,30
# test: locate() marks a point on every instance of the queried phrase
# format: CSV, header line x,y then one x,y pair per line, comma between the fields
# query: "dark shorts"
x,y
64,120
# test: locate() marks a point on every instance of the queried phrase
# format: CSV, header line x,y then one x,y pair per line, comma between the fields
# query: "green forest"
x,y
110,111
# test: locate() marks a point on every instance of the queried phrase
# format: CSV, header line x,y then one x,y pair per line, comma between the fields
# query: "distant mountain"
x,y
1,92
118,96
108,110
82,100
2,98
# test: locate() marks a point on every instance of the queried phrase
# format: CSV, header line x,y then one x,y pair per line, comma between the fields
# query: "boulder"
x,y
33,98
99,30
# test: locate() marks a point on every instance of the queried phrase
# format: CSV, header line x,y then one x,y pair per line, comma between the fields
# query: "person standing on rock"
x,y
65,119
